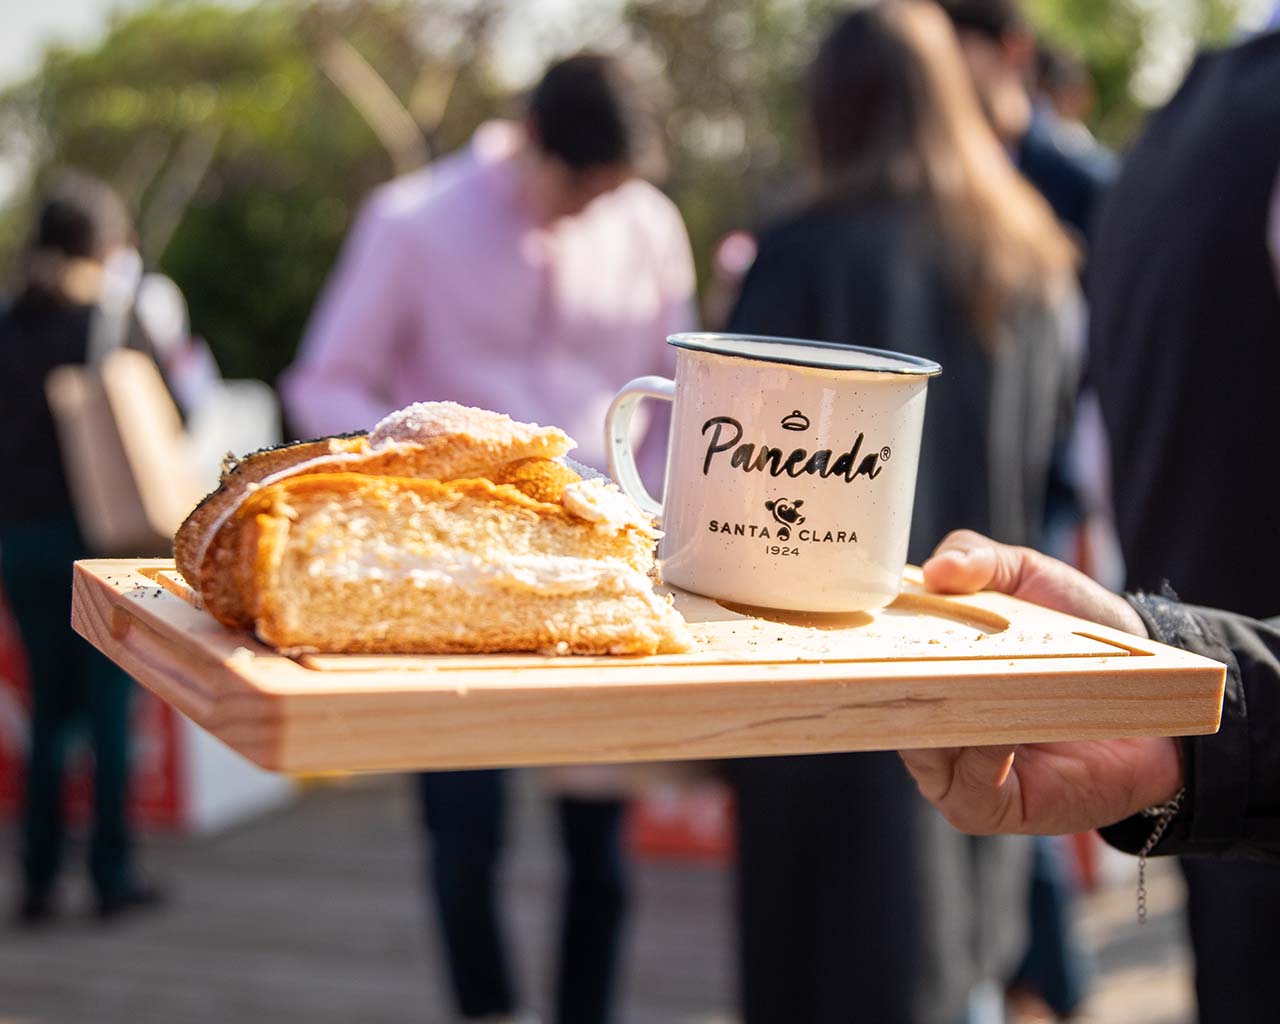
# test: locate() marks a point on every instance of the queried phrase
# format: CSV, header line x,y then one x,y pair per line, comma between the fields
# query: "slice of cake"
x,y
444,530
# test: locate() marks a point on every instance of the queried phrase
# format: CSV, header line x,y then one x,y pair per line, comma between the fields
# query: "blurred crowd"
x,y
1107,325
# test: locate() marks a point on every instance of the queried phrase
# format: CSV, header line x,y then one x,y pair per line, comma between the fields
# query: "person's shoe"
x,y
134,897
35,910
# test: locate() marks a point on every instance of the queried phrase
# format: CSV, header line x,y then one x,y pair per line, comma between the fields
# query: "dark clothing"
x,y
37,334
855,899
1054,966
1231,916
855,902
1232,804
464,813
873,276
1185,339
595,905
1071,177
72,687
1232,807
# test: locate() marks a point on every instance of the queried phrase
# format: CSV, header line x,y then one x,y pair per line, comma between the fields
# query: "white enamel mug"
x,y
791,469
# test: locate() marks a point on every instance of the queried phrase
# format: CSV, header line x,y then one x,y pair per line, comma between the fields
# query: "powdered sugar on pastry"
x,y
417,423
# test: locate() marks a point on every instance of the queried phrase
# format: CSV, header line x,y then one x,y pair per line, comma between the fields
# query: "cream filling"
x,y
533,575
602,503
550,575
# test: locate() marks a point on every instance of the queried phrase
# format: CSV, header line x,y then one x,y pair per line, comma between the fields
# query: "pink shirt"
x,y
447,289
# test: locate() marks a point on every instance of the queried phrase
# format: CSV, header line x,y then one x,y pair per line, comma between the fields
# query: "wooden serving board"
x,y
928,671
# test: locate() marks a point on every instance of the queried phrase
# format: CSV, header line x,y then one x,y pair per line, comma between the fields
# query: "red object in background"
x,y
157,783
1085,850
683,822
15,711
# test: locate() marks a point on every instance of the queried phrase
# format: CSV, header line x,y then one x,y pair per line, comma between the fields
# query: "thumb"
x,y
966,562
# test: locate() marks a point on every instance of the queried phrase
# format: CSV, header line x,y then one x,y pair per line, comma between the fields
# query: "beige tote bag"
x,y
124,452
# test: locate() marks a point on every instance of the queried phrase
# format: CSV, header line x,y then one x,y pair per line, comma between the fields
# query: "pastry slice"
x,y
429,440
479,539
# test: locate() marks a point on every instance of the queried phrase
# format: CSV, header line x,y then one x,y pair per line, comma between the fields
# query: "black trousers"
x,y
1233,909
73,687
1055,966
858,904
463,813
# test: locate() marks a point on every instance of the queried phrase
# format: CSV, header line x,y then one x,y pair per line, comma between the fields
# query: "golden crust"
x,y
380,489
237,478
540,479
264,536
208,548
449,458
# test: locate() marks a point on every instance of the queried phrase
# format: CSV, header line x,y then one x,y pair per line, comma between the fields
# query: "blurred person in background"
x,y
1064,86
1185,334
1000,50
856,900
1035,98
82,228
533,273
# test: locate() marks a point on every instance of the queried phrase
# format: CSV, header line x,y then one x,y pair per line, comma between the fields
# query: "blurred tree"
x,y
245,138
737,76
1134,49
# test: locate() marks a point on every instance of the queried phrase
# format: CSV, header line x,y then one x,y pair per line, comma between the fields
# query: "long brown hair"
x,y
894,114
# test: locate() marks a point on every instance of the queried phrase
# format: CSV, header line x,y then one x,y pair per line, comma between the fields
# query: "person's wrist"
x,y
1165,779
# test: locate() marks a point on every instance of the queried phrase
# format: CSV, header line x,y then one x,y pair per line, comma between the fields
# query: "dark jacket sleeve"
x,y
1232,802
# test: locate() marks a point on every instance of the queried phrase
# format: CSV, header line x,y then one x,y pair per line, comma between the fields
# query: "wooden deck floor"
x,y
315,915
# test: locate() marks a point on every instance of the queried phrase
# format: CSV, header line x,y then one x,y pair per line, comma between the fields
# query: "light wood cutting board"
x,y
928,671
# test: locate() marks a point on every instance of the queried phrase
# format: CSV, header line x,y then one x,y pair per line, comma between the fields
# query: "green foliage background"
x,y
244,160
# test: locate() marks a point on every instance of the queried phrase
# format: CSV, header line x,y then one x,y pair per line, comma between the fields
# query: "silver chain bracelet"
x,y
1164,813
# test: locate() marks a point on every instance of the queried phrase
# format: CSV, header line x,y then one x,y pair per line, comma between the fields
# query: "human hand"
x,y
1041,788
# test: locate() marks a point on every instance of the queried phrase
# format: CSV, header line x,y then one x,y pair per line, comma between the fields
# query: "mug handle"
x,y
617,430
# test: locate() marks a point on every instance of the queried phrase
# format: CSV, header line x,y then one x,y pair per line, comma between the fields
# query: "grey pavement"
x,y
315,914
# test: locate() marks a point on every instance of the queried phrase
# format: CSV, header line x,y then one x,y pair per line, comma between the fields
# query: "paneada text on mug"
x,y
791,469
